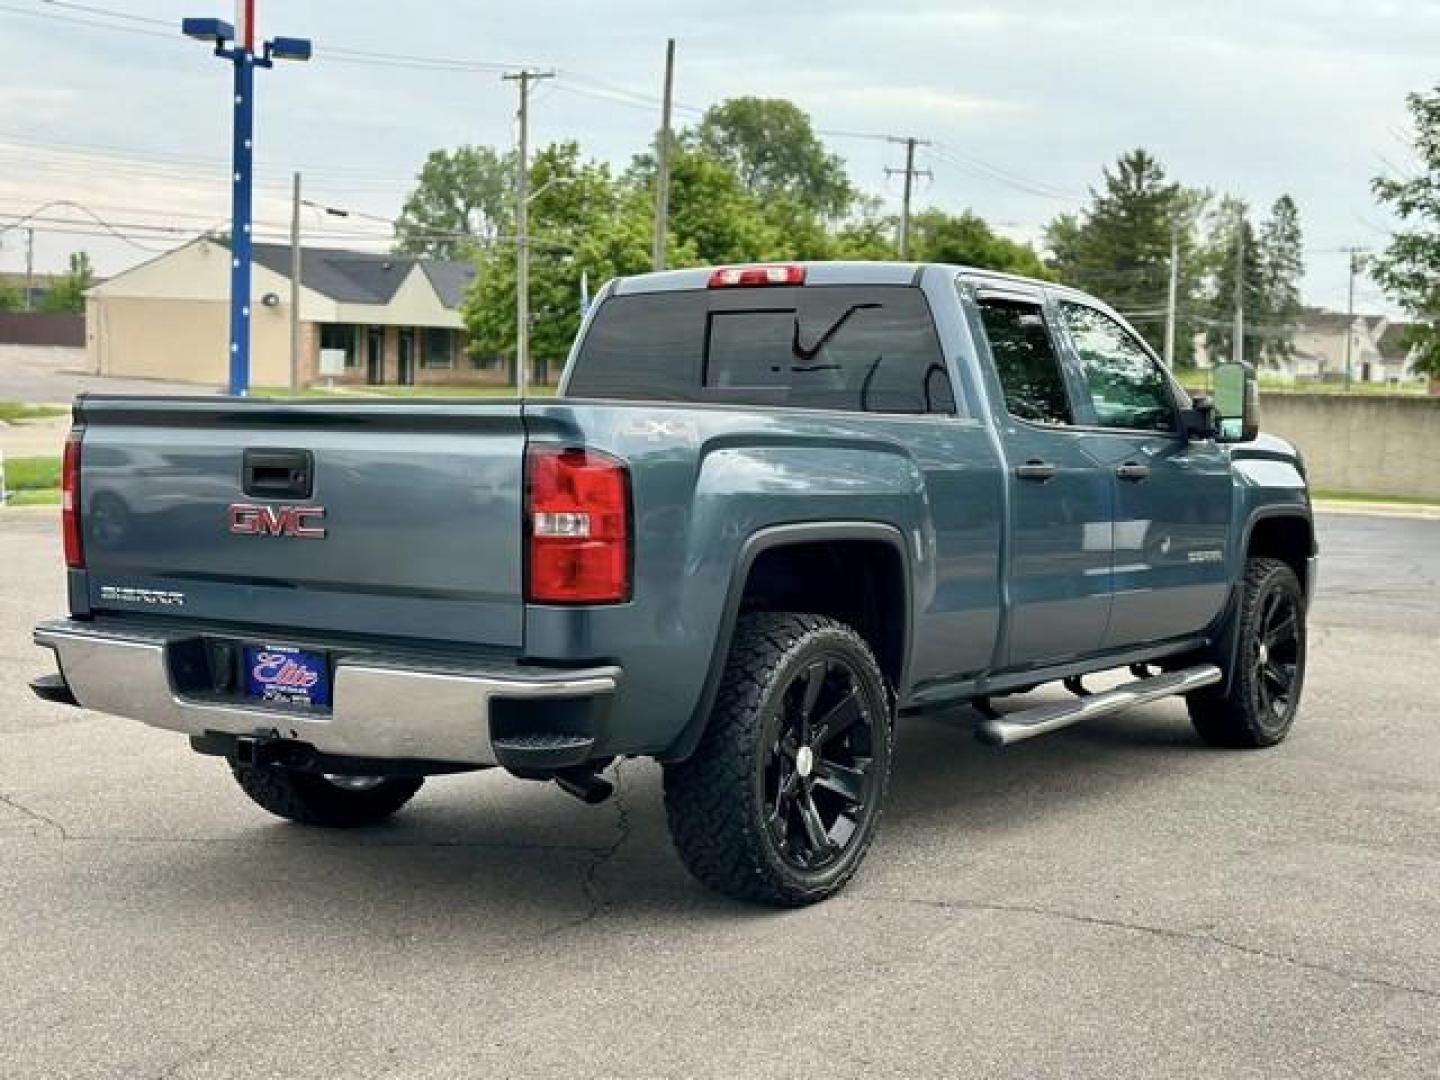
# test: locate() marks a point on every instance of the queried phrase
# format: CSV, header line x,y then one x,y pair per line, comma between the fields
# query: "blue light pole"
x,y
242,56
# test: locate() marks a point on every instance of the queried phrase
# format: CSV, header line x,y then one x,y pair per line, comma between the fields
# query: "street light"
x,y
241,54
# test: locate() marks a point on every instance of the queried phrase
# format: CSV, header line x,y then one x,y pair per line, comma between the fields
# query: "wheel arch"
x,y
774,568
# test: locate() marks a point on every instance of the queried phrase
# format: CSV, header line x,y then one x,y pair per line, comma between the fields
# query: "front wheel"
x,y
780,801
336,802
1259,706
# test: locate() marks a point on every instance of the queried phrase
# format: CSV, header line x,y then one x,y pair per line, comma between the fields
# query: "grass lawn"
x,y
32,481
32,473
11,411
48,497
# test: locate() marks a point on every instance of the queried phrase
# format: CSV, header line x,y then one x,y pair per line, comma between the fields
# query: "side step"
x,y
1043,719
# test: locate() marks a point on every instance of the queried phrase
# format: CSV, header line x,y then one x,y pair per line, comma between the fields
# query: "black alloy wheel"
x,y
819,778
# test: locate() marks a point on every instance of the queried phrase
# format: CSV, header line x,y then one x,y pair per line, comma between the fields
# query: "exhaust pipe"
x,y
585,784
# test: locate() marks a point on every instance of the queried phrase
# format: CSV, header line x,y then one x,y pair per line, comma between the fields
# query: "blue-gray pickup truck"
x,y
772,509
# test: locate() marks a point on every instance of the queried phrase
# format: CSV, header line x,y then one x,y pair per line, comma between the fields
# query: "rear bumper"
x,y
520,716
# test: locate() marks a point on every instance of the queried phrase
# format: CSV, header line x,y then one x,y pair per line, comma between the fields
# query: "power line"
x,y
984,170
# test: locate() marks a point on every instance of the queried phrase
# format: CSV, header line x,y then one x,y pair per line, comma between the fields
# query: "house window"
x,y
340,336
439,348
487,361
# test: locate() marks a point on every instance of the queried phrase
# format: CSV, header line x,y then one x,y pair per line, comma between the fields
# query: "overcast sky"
x,y
1024,101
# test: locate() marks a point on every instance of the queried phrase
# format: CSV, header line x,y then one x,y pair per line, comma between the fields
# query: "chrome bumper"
x,y
380,709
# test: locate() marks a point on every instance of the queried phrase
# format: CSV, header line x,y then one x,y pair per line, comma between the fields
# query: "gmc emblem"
x,y
247,519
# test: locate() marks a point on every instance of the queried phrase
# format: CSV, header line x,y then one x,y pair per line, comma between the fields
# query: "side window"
x,y
1126,385
1025,360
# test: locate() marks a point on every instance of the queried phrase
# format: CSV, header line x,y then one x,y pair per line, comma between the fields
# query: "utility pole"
x,y
522,228
1354,254
295,287
662,160
909,172
1237,347
1173,296
29,269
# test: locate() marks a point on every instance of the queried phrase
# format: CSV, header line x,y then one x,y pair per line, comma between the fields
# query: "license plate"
x,y
287,676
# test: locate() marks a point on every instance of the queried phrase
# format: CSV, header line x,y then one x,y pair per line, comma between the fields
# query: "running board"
x,y
1043,719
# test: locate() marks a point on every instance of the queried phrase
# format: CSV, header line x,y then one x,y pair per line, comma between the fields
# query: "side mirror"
x,y
1237,403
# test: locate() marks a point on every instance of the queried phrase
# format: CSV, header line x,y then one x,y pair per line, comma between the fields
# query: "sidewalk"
x,y
34,438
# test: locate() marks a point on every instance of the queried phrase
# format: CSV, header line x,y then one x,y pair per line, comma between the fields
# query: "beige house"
x,y
396,320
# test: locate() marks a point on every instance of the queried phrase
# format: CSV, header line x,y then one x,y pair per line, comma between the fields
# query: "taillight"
x,y
578,515
70,500
729,277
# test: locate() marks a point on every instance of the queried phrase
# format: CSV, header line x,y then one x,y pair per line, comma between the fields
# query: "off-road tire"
x,y
311,799
715,801
1239,717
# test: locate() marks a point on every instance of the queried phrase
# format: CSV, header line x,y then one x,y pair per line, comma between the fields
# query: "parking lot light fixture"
x,y
236,44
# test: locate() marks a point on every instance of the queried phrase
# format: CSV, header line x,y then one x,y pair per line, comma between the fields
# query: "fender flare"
x,y
757,543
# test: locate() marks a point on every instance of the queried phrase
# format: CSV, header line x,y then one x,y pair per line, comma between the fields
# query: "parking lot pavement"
x,y
47,375
1114,900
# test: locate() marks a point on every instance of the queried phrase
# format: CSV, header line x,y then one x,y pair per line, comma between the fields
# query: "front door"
x,y
1061,499
406,357
1172,493
375,355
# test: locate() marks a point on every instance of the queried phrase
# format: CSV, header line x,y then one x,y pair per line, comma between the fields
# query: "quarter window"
x,y
1025,360
1127,387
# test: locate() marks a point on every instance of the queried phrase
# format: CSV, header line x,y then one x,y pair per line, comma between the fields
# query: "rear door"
x,y
407,522
1172,494
1061,498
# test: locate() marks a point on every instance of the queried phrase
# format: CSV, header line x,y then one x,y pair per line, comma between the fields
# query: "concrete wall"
x,y
1367,445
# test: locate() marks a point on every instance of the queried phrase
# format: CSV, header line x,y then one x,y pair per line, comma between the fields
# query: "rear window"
x,y
866,348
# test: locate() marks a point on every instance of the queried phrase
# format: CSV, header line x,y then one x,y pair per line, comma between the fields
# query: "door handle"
x,y
277,474
1035,470
1133,472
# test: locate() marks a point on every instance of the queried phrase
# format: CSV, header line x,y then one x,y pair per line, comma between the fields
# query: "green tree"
x,y
1282,265
1118,247
462,200
68,293
966,239
12,297
1409,268
584,226
1232,271
715,218
773,149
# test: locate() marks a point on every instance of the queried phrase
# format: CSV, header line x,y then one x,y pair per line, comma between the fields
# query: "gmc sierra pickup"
x,y
771,509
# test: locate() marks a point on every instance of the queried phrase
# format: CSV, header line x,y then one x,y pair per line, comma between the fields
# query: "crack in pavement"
x,y
1168,932
34,815
589,883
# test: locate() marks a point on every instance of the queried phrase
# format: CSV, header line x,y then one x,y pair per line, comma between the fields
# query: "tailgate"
x,y
408,524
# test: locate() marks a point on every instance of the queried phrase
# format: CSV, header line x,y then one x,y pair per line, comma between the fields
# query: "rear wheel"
x,y
336,802
1259,706
780,801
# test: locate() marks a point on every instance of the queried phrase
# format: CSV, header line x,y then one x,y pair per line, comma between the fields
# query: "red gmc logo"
x,y
247,519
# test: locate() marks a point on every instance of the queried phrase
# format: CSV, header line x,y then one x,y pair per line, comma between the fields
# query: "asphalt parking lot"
x,y
1114,900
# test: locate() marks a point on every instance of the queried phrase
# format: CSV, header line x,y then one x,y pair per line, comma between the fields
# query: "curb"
x,y
1390,510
